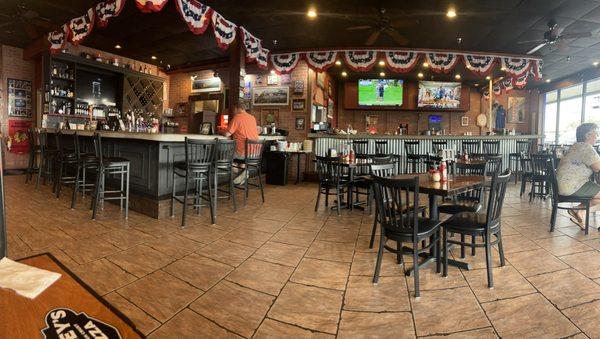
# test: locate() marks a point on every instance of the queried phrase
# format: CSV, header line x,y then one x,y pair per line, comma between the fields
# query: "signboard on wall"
x,y
19,98
18,141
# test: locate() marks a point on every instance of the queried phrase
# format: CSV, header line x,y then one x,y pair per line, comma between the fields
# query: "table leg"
x,y
297,169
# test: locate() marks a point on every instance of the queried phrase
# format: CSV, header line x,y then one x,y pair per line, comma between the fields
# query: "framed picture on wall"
x,y
330,88
516,110
272,79
260,80
285,79
207,128
320,79
298,104
298,87
206,85
269,116
271,96
299,123
19,98
464,121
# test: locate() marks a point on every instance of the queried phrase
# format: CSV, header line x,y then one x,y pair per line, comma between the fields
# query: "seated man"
x,y
241,127
576,168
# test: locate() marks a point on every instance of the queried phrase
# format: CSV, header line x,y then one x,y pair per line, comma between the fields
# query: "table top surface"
x,y
457,184
471,161
26,318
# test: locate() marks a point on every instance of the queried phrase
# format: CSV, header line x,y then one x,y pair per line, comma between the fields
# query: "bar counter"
x,y
151,156
508,143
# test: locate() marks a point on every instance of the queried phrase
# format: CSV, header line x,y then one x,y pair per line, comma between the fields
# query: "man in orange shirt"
x,y
241,127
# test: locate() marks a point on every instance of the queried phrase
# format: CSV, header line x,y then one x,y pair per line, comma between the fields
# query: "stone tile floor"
x,y
279,269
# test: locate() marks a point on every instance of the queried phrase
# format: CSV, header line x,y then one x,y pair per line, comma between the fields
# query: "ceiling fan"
x,y
28,19
384,25
553,36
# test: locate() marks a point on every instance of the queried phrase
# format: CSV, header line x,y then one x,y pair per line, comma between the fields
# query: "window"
x,y
564,111
550,122
569,119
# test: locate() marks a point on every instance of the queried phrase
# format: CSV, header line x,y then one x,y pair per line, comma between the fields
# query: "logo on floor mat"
x,y
66,323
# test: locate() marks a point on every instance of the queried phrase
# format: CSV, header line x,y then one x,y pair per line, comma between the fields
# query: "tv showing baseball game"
x,y
440,95
380,92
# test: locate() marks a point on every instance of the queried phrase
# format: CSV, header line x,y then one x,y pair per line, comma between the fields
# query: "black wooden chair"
x,y
223,167
437,145
47,156
514,159
539,176
413,158
402,225
34,163
65,164
332,181
252,162
558,200
381,147
361,148
491,147
475,224
470,147
84,163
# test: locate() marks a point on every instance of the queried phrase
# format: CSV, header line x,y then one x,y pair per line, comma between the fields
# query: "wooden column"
x,y
491,103
236,64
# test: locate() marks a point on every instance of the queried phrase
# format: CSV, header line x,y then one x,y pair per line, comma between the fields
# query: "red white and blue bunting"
x,y
262,61
441,62
196,15
149,6
108,9
58,39
479,64
516,66
224,29
520,81
81,27
401,62
536,69
507,84
360,61
252,45
320,61
285,63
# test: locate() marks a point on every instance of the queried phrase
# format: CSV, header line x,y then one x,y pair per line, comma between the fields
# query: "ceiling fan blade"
x,y
359,28
536,48
373,38
403,23
539,41
576,35
397,37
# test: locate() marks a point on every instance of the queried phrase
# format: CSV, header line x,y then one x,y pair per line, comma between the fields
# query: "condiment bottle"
x,y
443,172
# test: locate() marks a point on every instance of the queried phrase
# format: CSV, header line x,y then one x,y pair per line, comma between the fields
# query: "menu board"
x,y
19,98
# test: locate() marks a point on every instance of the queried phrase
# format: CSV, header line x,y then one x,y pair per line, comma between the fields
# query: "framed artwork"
x,y
260,80
330,88
516,110
320,80
298,104
299,123
206,85
18,141
206,128
285,79
298,87
271,96
272,79
19,98
269,116
464,121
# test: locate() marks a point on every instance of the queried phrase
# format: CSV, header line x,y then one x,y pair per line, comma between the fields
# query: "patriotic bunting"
x,y
196,15
149,6
536,69
520,81
58,39
516,66
252,45
285,63
81,27
507,84
262,61
320,61
108,9
224,30
360,60
479,64
441,62
401,62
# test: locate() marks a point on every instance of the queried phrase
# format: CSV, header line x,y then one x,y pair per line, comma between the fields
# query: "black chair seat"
x,y
452,207
467,222
114,161
427,227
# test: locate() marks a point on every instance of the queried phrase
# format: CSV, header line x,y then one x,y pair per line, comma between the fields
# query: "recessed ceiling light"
x,y
476,85
153,57
337,62
451,13
548,80
381,63
117,46
382,74
457,76
425,64
595,63
311,13
344,74
420,75
488,78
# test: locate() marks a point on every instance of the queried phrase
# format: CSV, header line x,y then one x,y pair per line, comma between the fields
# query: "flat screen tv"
x,y
440,95
380,92
97,88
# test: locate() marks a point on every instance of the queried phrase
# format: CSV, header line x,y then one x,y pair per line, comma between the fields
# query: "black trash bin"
x,y
278,164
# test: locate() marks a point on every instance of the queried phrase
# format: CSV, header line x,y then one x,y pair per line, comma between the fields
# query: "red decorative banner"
x,y
108,9
516,66
360,60
81,27
536,69
401,62
17,136
58,39
320,61
441,62
224,30
196,15
252,45
285,63
149,6
262,60
479,64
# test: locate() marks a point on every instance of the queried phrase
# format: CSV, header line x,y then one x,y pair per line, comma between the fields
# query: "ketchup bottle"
x,y
443,172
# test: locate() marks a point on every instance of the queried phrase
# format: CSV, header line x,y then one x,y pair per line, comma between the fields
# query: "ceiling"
x,y
483,25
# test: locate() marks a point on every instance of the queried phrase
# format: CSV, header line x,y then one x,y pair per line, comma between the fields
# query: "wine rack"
x,y
142,93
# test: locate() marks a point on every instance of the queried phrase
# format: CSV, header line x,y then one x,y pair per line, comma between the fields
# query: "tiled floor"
x,y
279,269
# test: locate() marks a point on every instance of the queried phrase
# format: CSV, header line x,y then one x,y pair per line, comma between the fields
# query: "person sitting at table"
x,y
576,168
241,127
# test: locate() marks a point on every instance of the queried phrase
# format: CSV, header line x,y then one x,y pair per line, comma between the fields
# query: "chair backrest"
x,y
539,163
438,145
470,147
553,181
199,153
491,147
523,146
43,140
392,196
225,153
329,170
411,147
254,151
361,148
470,169
77,145
31,138
496,198
493,165
98,147
383,170
433,161
381,159
381,147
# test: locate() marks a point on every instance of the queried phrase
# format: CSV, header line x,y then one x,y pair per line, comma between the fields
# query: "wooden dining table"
x,y
66,309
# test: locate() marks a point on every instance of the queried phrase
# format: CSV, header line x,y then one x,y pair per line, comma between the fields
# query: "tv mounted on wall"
x,y
440,95
380,92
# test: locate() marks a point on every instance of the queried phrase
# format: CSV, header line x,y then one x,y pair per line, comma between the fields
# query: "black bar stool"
x,y
85,162
224,167
437,145
251,162
413,158
361,148
33,166
196,169
66,164
471,147
523,148
47,155
110,166
491,147
381,147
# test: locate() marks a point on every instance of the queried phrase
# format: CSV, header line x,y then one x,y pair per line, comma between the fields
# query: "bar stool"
x,y
523,147
224,167
251,162
85,162
413,158
33,166
66,164
361,148
491,147
108,166
196,169
471,147
381,147
437,145
47,155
